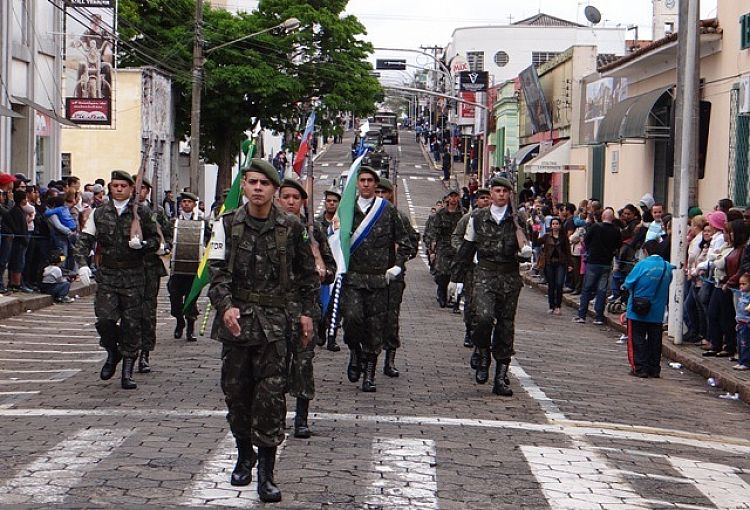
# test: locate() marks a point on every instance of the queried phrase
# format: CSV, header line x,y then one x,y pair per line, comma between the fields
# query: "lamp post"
x,y
198,58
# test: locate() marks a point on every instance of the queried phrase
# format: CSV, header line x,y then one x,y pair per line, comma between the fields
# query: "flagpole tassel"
x,y
334,316
204,322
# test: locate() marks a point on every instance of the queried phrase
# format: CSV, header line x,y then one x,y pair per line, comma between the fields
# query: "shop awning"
x,y
554,160
46,111
7,112
525,153
633,118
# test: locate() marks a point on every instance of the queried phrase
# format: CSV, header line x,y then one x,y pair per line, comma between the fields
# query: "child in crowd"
x,y
743,323
54,281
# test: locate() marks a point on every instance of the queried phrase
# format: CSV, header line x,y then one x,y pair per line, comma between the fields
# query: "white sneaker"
x,y
740,366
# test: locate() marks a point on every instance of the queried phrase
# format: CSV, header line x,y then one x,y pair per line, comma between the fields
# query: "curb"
x,y
20,304
693,362
427,157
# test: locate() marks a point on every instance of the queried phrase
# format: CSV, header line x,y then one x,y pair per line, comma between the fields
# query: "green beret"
x,y
145,181
370,170
482,192
501,181
332,192
291,183
694,211
385,184
186,195
122,175
263,167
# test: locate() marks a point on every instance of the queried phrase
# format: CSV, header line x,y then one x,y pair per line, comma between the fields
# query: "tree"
x,y
273,78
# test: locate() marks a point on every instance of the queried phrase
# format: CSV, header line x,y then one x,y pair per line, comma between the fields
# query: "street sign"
x,y
473,81
390,64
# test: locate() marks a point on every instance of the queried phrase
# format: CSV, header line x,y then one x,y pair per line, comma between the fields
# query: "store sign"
x,y
468,111
459,64
473,81
90,61
42,124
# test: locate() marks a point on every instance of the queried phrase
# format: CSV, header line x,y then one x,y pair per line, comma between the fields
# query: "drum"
x,y
187,246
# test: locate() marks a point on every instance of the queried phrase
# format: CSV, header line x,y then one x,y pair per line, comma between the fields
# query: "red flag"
x,y
304,146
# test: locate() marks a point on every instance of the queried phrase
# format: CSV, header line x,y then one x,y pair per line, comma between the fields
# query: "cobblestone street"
x,y
578,433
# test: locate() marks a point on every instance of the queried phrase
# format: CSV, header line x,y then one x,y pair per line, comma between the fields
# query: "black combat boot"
x,y
500,387
190,337
301,430
368,383
144,367
128,383
389,368
474,360
483,367
355,360
442,295
332,345
467,339
110,366
267,490
243,470
179,327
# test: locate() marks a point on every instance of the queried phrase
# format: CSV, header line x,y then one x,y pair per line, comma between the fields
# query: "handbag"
x,y
642,305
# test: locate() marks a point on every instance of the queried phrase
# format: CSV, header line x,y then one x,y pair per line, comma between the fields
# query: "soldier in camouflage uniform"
x,y
263,282
154,270
397,286
372,266
466,287
301,379
325,219
491,235
441,227
120,277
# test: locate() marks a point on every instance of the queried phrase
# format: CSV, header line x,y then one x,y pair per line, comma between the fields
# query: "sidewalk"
x,y
19,303
689,355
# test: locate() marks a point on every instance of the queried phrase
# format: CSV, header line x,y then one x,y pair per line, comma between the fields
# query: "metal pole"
x,y
195,111
689,95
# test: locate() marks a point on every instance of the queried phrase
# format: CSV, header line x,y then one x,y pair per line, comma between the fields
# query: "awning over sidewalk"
x,y
7,112
525,153
46,111
554,160
634,118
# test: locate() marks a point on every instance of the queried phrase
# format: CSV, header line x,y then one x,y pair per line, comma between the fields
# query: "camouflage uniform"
x,y
396,288
441,229
255,274
457,239
120,277
497,285
153,272
364,296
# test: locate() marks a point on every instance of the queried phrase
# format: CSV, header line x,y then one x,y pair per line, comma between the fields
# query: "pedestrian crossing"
x,y
400,472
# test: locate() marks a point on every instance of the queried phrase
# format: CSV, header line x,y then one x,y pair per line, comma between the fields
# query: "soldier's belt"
x,y
498,267
132,263
258,298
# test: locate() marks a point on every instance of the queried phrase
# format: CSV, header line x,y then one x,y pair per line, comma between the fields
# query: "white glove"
x,y
162,250
526,251
135,243
392,273
84,273
459,288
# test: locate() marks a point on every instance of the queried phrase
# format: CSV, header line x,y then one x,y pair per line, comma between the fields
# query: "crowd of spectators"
x,y
589,250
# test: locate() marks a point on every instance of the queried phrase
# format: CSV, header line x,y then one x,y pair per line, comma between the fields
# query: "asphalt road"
x,y
578,433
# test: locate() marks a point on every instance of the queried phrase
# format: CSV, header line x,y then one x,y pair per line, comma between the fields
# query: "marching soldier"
x,y
154,270
120,277
181,280
483,200
263,281
325,219
491,235
372,266
442,226
292,196
392,340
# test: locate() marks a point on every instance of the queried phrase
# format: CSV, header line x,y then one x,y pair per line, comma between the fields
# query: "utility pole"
x,y
195,111
686,152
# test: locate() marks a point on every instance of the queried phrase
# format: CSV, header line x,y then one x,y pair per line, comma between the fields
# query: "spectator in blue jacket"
x,y
649,280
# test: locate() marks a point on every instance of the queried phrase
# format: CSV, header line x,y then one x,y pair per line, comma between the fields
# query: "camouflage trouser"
x,y
300,362
148,323
365,314
494,302
468,289
253,379
392,340
179,286
113,304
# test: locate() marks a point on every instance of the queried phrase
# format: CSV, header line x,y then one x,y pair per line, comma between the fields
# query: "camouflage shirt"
x,y
442,226
495,244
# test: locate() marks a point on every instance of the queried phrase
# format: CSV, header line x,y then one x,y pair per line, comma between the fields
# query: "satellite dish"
x,y
592,14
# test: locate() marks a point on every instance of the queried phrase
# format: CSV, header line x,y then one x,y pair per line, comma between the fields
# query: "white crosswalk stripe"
x,y
324,164
719,483
47,479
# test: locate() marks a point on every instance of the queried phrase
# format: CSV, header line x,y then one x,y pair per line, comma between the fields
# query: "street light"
x,y
195,113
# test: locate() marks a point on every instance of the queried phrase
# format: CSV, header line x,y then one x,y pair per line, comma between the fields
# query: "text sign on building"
x,y
468,111
473,81
90,61
390,64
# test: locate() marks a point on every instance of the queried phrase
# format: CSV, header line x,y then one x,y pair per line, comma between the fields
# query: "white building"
x,y
30,88
235,5
505,50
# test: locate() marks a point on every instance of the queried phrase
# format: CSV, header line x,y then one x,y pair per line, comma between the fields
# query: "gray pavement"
x,y
578,433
